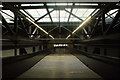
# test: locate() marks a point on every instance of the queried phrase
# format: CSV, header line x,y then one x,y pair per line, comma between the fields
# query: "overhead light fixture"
x,y
81,24
34,32
39,27
68,36
51,36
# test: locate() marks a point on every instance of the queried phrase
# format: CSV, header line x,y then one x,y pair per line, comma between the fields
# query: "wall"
x,y
101,66
112,52
29,50
15,66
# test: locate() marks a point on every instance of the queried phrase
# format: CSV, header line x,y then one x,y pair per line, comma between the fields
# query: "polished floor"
x,y
60,65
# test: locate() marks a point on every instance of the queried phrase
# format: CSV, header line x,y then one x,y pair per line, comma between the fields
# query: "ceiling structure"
x,y
57,20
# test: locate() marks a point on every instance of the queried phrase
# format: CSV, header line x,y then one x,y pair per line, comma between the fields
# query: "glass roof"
x,y
85,4
32,4
112,11
8,18
57,15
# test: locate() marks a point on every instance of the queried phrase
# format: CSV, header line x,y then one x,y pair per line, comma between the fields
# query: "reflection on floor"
x,y
60,65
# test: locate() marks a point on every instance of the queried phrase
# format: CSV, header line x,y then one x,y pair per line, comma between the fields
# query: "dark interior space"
x,y
60,40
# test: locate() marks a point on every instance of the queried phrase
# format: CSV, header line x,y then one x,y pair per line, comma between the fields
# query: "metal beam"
x,y
16,23
4,22
40,18
111,14
113,22
48,12
56,23
64,6
70,31
59,25
99,18
106,8
6,14
74,15
52,29
44,15
93,12
28,14
70,12
103,22
23,25
14,9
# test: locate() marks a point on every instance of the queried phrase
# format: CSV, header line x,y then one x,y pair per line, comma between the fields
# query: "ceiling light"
x,y
39,27
68,36
81,24
51,36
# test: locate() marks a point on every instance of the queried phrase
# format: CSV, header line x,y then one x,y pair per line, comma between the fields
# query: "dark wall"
x,y
14,66
108,69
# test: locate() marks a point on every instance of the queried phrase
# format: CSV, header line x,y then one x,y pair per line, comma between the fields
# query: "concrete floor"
x,y
60,66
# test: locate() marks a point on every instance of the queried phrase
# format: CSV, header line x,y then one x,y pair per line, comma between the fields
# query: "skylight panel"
x,y
74,19
88,12
74,11
63,19
46,19
94,4
50,3
112,11
62,13
9,21
68,9
32,4
87,4
42,11
50,9
8,12
33,12
8,18
26,14
79,12
77,3
95,12
25,4
41,20
37,13
37,4
66,17
55,16
83,18
61,4
69,3
55,19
